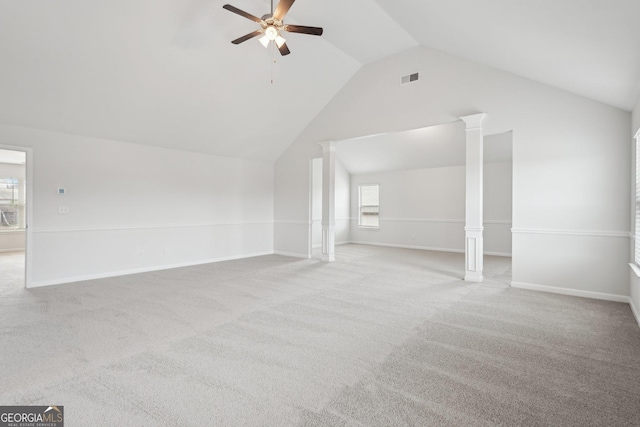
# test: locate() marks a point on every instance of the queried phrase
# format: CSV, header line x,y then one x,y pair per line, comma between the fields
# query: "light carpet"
x,y
382,337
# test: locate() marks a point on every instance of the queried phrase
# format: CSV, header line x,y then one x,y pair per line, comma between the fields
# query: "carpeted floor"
x,y
382,337
11,271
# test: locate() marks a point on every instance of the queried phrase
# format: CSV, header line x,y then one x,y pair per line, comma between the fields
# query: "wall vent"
x,y
410,78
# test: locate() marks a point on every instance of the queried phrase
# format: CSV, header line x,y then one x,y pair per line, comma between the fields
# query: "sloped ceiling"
x,y
588,47
164,72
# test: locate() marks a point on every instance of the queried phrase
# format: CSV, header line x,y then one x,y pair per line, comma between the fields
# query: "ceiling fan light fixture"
x,y
271,24
271,32
265,41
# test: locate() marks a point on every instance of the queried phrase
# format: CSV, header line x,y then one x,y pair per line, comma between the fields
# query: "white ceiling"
x,y
429,147
588,47
164,72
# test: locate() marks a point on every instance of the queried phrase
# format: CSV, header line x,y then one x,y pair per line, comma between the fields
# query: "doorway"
x,y
15,210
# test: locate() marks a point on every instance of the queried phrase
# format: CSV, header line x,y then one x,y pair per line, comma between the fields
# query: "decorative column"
x,y
474,245
328,201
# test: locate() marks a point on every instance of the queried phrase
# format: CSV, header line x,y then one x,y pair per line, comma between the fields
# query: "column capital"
x,y
328,145
474,121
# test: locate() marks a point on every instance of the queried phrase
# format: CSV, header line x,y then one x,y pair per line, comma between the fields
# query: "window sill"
x,y
364,227
635,268
13,230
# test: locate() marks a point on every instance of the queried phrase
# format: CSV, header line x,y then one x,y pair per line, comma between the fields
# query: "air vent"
x,y
410,78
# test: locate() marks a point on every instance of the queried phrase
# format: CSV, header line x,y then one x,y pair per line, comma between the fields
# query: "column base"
x,y
328,243
328,258
473,277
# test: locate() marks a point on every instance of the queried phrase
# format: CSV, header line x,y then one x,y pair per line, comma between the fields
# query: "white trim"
x,y
474,121
504,254
29,210
12,231
436,220
328,145
144,227
142,270
635,268
291,254
440,220
635,311
589,233
572,292
474,229
292,222
6,251
424,248
337,244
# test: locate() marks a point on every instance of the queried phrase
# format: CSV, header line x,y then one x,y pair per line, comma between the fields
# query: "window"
x,y
11,210
368,206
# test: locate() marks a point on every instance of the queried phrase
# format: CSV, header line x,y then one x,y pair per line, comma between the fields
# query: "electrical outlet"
x,y
63,210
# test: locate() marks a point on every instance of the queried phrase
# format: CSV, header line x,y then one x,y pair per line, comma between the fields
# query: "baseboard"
x,y
337,244
635,312
572,292
425,248
291,254
38,284
503,254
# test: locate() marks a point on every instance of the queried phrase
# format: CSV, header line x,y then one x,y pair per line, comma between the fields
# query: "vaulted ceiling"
x,y
164,73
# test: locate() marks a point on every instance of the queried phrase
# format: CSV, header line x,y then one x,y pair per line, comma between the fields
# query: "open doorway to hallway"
x,y
13,219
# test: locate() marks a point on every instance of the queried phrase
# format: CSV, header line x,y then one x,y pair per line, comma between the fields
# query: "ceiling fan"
x,y
271,26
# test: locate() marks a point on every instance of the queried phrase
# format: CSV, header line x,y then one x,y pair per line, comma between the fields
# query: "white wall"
x,y
497,207
316,203
342,203
571,169
425,208
634,283
136,208
12,240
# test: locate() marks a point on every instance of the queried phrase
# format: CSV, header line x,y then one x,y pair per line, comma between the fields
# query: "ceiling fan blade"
x,y
282,9
247,37
242,13
314,31
284,50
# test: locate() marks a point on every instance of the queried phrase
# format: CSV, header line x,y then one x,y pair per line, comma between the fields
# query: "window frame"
x,y
14,204
360,222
